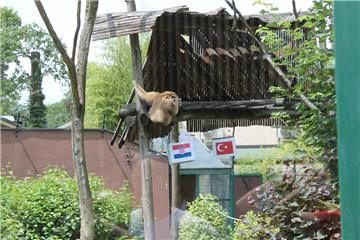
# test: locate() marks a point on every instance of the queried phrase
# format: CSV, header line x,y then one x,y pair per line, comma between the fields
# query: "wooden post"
x,y
347,49
175,184
146,179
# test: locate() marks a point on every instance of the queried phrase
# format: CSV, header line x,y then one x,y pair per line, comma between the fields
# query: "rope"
x,y
227,216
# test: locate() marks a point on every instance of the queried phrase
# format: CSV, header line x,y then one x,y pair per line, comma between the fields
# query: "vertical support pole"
x,y
232,187
347,49
175,181
146,178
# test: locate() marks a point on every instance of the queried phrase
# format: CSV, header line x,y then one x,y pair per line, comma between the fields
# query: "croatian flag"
x,y
181,152
224,147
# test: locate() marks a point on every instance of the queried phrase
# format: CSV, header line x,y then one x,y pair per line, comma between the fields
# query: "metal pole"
x,y
347,49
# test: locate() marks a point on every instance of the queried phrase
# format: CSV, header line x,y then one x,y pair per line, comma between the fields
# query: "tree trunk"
x,y
37,108
77,76
87,231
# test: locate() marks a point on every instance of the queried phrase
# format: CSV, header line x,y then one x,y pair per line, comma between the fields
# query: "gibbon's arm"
x,y
147,97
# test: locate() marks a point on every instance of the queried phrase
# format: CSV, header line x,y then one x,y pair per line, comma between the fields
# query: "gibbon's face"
x,y
171,97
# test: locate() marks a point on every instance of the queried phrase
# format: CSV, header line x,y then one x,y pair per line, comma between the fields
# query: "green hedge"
x,y
47,207
205,219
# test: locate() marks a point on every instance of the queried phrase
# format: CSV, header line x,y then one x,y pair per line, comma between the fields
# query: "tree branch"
x,y
84,46
303,98
53,34
268,58
69,63
78,20
295,12
250,31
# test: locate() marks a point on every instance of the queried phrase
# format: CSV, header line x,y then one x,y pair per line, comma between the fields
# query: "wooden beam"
x,y
121,121
249,115
112,25
220,110
146,177
175,184
214,107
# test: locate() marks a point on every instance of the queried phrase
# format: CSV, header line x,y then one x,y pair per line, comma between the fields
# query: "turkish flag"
x,y
224,148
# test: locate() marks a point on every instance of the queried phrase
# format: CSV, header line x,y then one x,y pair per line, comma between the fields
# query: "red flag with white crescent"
x,y
224,147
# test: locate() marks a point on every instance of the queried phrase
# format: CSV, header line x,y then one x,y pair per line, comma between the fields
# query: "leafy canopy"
x,y
109,83
17,41
58,113
309,61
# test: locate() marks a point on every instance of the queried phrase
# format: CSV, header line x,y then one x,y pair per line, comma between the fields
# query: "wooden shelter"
x,y
210,61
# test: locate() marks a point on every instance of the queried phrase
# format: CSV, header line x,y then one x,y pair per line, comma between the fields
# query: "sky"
x,y
63,17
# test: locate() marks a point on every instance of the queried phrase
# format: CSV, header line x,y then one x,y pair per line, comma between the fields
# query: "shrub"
x,y
48,207
111,208
254,226
205,219
295,201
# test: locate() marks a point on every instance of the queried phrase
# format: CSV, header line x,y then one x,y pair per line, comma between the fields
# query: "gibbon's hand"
x,y
164,106
147,97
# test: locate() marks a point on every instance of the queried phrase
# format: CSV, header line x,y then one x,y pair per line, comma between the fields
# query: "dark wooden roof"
x,y
201,59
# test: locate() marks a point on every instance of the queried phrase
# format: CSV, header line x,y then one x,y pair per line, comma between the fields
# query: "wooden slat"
x,y
216,106
124,23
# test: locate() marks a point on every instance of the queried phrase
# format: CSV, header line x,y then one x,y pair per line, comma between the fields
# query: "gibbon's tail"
x,y
147,97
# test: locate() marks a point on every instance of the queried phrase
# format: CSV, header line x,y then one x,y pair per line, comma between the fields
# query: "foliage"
x,y
266,167
111,208
310,65
17,41
272,160
47,207
109,84
286,201
205,219
254,226
58,113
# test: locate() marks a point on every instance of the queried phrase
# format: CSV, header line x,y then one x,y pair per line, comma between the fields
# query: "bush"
x,y
254,226
296,202
205,219
48,207
111,208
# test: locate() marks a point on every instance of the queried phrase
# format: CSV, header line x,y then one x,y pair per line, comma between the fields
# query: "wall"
x,y
243,184
30,151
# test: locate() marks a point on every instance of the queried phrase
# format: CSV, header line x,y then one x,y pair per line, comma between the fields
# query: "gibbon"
x,y
163,106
